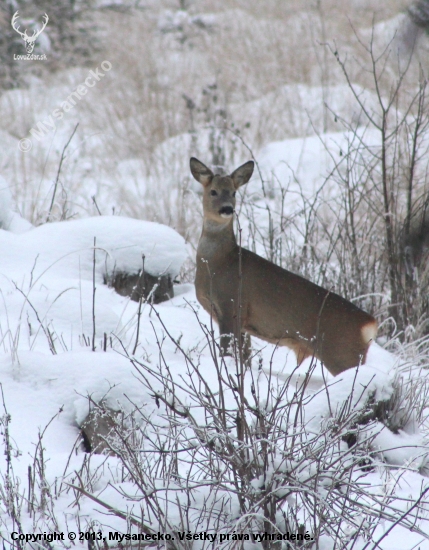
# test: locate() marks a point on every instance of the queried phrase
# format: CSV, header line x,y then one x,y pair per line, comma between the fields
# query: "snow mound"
x,y
355,394
302,162
69,249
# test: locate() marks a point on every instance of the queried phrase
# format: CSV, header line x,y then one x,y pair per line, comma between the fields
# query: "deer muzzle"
x,y
226,211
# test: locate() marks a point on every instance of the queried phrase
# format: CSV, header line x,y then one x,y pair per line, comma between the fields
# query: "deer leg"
x,y
229,346
231,334
228,334
227,338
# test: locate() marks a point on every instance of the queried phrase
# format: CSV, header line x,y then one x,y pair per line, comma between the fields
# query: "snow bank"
x,y
66,249
48,300
303,163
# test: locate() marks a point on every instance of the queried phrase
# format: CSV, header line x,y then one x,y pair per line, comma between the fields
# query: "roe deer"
x,y
245,293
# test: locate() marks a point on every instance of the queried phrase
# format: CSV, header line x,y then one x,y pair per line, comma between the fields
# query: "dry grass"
x,y
207,81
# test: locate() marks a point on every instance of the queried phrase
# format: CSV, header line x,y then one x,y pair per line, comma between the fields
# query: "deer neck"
x,y
216,240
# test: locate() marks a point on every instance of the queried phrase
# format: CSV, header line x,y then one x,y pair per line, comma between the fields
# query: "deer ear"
x,y
243,174
200,172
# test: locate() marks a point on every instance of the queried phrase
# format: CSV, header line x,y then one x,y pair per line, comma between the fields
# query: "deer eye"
x,y
213,193
233,194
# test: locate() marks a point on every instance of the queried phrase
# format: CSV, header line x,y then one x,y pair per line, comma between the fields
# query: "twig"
x,y
58,173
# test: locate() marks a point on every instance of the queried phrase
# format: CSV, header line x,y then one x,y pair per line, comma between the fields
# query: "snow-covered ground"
x,y
282,98
48,371
54,305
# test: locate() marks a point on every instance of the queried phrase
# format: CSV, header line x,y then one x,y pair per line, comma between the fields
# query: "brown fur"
x,y
275,305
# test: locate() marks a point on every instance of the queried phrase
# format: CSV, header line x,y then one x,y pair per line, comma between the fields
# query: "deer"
x,y
247,295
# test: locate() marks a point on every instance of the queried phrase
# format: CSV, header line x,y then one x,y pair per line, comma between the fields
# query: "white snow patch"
x,y
10,220
66,249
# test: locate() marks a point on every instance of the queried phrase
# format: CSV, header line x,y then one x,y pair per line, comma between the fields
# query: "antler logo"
x,y
29,40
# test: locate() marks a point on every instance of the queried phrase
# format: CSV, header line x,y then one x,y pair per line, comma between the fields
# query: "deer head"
x,y
219,191
29,40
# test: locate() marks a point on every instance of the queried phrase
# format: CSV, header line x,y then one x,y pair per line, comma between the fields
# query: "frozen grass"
x,y
165,67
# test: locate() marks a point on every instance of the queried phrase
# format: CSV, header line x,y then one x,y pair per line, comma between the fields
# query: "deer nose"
x,y
226,211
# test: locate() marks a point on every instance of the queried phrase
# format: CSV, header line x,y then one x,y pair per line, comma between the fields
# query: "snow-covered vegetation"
x,y
330,100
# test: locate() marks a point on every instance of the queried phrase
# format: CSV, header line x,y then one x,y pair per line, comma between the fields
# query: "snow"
x,y
49,321
67,248
54,305
10,220
300,162
45,388
49,375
